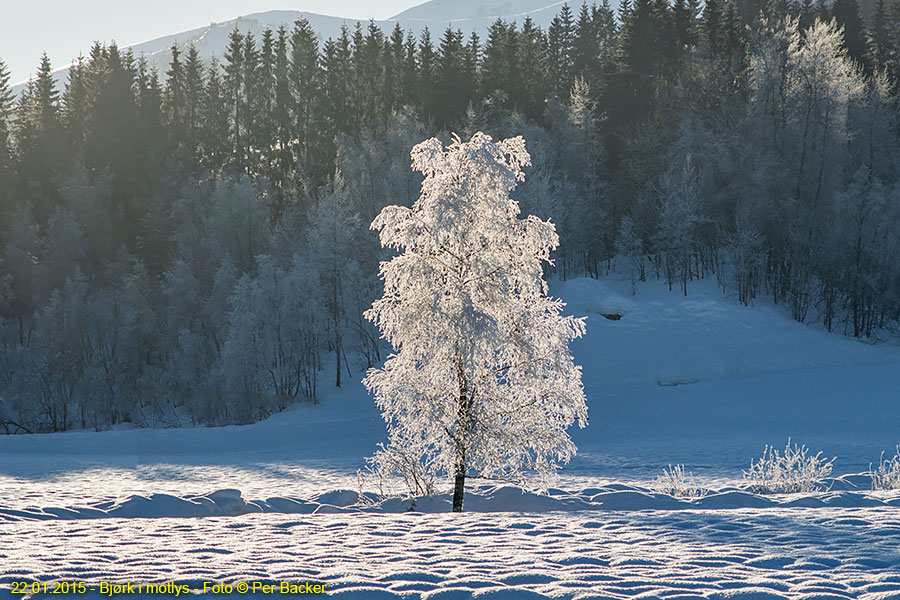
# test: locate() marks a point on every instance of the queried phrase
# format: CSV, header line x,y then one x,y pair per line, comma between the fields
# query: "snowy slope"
x,y
462,10
211,40
279,497
748,377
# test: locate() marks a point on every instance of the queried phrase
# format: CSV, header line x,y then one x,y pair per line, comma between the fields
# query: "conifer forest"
x,y
193,246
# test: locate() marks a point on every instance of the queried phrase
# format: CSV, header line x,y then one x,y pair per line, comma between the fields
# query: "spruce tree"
x,y
175,99
39,137
216,113
846,13
713,27
282,105
426,74
193,100
304,83
252,100
393,71
76,102
532,66
451,97
884,38
233,91
560,41
7,104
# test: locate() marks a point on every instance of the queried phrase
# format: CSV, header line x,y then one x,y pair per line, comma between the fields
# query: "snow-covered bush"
x,y
793,471
674,481
887,475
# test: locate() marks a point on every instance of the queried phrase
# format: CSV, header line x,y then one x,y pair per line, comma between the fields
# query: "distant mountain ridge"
x,y
466,15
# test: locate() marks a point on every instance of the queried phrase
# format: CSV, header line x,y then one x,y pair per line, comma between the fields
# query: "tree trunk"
x,y
462,422
458,489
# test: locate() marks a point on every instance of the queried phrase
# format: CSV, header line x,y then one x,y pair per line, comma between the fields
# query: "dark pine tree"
x,y
846,13
532,65
193,100
233,91
426,97
808,13
174,103
265,129
451,95
281,110
393,71
586,48
217,111
560,42
7,104
252,100
495,76
713,27
40,139
304,83
76,102
884,39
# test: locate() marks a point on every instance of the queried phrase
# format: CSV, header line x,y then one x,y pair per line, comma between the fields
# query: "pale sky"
x,y
66,28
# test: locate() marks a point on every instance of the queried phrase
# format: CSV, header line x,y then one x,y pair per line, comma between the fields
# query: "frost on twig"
x,y
887,475
794,470
674,481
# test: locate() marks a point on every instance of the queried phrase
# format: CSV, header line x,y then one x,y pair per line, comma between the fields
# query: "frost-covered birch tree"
x,y
481,383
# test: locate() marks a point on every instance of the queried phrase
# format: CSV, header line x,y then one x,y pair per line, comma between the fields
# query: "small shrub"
x,y
675,482
793,471
887,475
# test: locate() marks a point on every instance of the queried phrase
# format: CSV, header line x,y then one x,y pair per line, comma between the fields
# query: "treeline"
x,y
192,246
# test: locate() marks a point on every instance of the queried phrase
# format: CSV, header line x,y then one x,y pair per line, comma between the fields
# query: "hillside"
x,y
469,16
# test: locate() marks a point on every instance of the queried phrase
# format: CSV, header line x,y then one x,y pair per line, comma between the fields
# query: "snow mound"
x,y
590,295
484,499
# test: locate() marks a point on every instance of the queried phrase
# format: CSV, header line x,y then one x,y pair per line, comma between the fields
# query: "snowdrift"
x,y
844,492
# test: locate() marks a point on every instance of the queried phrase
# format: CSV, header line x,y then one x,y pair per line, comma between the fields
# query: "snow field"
x,y
70,503
823,554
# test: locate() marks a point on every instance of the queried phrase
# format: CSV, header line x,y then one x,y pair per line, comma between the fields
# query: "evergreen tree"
x,y
369,64
607,31
452,93
713,27
560,49
216,112
495,75
884,38
846,14
7,104
666,44
252,100
282,106
684,22
193,101
304,85
233,88
426,74
76,102
265,130
586,47
532,66
394,93
175,105
39,136
410,76
150,127
809,13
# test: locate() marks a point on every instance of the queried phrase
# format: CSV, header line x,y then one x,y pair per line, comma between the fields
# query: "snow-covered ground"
x,y
698,380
